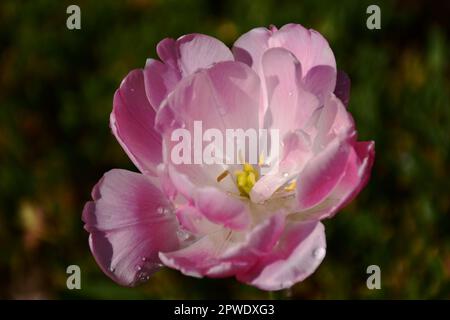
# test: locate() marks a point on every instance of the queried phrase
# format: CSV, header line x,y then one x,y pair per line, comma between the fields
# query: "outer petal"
x,y
300,251
322,173
343,84
356,175
333,120
250,47
129,223
309,46
320,80
160,80
192,52
132,121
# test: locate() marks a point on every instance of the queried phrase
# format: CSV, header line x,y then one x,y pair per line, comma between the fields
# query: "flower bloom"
x,y
220,220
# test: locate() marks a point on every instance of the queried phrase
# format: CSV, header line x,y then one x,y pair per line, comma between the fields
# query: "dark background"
x,y
56,89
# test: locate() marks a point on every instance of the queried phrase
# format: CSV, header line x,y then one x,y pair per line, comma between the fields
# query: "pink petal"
x,y
356,175
300,251
343,84
309,46
192,220
160,80
201,258
250,47
290,106
217,255
168,52
258,242
220,208
217,97
320,80
192,52
295,154
322,173
333,120
132,121
129,223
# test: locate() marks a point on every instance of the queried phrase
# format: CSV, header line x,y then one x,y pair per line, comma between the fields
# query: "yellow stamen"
x,y
291,186
246,179
261,160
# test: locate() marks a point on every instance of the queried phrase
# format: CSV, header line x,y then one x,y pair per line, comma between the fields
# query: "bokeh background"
x,y
56,89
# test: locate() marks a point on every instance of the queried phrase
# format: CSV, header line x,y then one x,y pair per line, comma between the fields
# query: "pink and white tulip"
x,y
195,219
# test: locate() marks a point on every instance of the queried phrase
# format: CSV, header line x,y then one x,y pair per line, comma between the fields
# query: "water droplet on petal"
x,y
319,253
144,259
138,268
285,174
183,235
290,93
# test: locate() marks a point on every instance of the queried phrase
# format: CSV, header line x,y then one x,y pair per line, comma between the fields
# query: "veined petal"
x,y
132,121
322,173
357,173
299,252
289,104
193,52
129,222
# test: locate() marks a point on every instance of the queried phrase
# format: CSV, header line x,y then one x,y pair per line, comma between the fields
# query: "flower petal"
x,y
258,242
201,258
343,84
309,46
322,173
356,175
214,99
132,121
321,81
290,106
192,52
220,208
219,255
160,79
250,47
300,251
295,154
129,223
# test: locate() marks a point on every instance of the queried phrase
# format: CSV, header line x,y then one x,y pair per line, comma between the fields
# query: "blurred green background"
x,y
56,89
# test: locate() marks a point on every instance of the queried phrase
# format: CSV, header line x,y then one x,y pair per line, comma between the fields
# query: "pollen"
x,y
222,176
246,179
291,186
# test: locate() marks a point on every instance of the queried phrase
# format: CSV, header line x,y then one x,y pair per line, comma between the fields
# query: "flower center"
x,y
246,179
